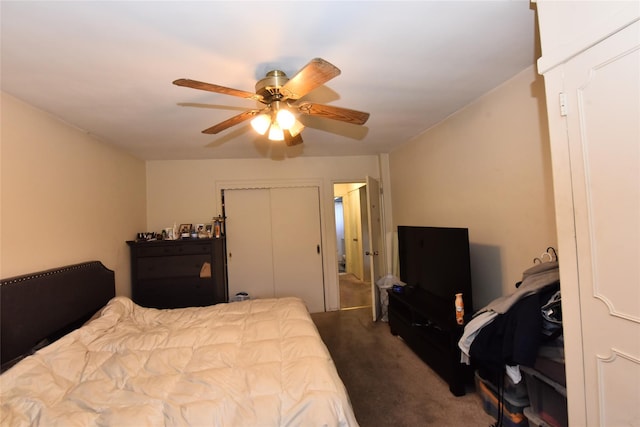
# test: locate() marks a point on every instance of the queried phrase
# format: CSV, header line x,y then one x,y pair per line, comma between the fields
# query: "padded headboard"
x,y
39,308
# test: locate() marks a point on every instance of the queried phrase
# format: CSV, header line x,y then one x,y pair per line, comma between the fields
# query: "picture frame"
x,y
208,228
199,228
185,228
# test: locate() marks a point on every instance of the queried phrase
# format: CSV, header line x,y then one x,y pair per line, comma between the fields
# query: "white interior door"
x,y
375,250
249,248
602,88
353,233
364,234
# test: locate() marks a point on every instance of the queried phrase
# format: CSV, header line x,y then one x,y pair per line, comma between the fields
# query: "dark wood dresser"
x,y
178,273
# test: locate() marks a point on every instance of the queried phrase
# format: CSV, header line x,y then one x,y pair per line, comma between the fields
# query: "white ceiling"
x,y
107,67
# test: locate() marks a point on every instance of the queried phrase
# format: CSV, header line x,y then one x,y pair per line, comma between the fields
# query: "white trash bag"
x,y
383,284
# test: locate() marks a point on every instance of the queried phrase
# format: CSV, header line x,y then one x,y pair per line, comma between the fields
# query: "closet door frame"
x,y
331,290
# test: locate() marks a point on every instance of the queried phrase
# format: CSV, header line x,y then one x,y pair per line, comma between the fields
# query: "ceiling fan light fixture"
x,y
275,132
285,119
296,128
282,97
261,123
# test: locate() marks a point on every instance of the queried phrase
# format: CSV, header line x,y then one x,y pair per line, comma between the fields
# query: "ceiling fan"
x,y
280,94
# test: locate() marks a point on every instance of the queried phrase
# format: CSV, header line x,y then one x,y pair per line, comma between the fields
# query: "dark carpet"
x,y
388,384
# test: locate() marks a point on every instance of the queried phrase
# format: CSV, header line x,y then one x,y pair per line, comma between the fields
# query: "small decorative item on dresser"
x,y
185,230
201,232
208,228
168,233
218,222
147,236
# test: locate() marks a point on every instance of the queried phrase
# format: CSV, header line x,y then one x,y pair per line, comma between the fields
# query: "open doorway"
x,y
352,239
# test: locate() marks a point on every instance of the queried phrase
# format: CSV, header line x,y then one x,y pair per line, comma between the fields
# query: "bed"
x,y
74,354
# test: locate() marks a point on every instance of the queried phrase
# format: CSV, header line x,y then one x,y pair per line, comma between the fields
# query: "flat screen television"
x,y
436,260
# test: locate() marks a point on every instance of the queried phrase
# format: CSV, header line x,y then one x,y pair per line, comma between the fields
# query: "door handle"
x,y
374,253
318,248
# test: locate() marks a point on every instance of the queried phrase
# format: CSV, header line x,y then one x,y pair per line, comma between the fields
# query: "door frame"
x,y
329,264
375,300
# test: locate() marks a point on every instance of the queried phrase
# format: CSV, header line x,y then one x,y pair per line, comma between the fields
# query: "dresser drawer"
x,y
171,266
174,249
175,293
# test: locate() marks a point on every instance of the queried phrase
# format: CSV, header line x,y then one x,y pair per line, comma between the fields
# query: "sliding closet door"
x,y
248,233
297,251
274,243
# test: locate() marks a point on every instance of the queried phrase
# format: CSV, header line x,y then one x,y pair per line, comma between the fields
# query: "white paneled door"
x,y
274,243
603,87
596,155
375,248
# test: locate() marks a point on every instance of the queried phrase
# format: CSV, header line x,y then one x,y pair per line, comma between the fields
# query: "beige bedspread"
x,y
251,363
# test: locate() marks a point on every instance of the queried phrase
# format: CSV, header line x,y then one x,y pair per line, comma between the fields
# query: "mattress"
x,y
252,363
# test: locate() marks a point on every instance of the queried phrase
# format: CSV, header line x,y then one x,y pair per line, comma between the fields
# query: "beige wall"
x,y
189,192
486,168
65,197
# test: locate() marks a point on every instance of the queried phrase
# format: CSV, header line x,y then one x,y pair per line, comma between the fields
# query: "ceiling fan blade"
x,y
231,122
316,73
194,84
334,113
292,140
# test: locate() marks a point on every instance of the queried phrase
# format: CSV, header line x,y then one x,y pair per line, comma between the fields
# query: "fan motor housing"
x,y
269,87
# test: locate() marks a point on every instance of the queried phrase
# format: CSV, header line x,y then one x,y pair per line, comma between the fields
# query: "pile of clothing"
x,y
509,331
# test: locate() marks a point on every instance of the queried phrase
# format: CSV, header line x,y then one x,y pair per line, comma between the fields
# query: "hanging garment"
x,y
534,279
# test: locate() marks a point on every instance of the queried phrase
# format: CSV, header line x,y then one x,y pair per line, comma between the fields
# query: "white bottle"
x,y
459,304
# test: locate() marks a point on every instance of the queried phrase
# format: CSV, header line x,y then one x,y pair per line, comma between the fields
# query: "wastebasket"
x,y
240,296
383,284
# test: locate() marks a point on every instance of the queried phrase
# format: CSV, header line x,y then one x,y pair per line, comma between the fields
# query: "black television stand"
x,y
428,326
